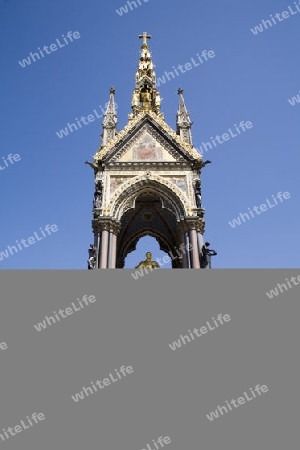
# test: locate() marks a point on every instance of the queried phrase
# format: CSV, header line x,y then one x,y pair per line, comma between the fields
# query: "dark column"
x,y
200,245
98,256
97,245
183,249
187,251
109,249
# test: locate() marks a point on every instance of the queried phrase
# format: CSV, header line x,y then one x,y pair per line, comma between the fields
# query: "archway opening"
x,y
150,221
147,244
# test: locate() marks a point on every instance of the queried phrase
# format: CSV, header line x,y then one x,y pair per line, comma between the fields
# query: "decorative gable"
x,y
149,140
146,148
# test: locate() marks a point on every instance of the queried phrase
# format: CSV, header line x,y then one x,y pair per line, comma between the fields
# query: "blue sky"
x,y
250,78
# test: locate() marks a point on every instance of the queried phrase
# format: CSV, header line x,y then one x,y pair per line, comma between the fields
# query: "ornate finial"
x,y
183,120
145,97
109,120
145,36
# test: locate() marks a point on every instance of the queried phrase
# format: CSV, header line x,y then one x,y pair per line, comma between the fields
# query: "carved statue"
x,y
135,99
97,197
207,253
91,263
157,99
92,257
148,263
198,195
146,96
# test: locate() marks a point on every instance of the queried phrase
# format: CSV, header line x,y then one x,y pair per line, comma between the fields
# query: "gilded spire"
x,y
145,96
110,120
183,120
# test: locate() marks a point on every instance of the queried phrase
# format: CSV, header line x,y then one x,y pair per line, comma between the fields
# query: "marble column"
x,y
200,241
113,251
200,245
194,249
104,249
114,231
108,228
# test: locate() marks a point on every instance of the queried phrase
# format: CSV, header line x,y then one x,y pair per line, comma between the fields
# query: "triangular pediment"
x,y
146,147
148,139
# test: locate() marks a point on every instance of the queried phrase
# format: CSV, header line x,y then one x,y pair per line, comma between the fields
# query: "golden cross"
x,y
145,37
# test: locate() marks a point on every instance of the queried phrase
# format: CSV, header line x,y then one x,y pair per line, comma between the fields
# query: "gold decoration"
x,y
157,117
148,263
145,37
146,100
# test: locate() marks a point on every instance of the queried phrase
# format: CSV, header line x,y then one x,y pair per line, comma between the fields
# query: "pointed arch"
x,y
171,197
